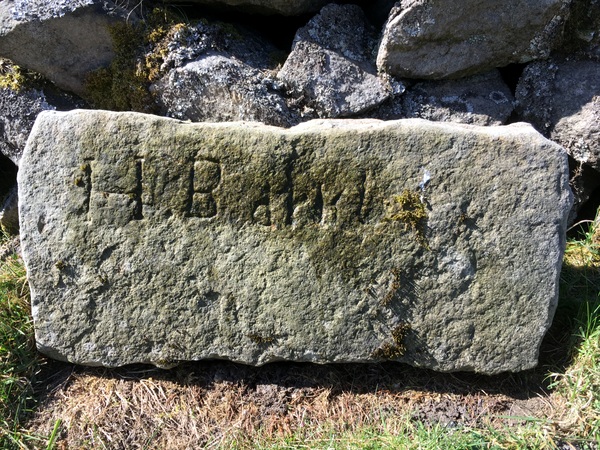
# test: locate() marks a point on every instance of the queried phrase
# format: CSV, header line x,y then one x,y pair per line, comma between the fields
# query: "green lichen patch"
x,y
121,87
408,209
141,58
397,348
139,52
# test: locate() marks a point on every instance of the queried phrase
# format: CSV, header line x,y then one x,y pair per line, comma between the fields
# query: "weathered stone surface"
x,y
583,29
18,111
284,7
330,70
151,240
221,76
221,89
561,98
63,40
436,39
483,99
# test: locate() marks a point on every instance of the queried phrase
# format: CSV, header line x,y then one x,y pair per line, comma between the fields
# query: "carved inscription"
x,y
205,178
274,206
328,201
123,190
112,189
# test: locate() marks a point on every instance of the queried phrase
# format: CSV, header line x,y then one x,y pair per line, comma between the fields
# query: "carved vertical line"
x,y
319,204
289,204
87,180
190,193
361,196
138,212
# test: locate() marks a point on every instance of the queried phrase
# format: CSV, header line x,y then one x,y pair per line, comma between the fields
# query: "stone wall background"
x,y
282,62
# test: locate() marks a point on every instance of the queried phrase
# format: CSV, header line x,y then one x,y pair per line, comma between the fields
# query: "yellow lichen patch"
x,y
408,209
16,78
395,349
11,76
260,339
159,39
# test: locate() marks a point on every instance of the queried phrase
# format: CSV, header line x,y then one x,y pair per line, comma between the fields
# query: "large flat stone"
x,y
435,39
62,40
149,240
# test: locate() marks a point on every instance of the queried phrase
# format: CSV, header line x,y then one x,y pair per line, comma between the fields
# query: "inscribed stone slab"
x,y
149,240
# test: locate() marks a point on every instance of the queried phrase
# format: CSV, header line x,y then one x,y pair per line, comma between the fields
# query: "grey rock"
x,y
435,244
583,29
283,7
561,98
9,212
483,99
436,39
63,40
331,70
221,89
192,41
18,111
20,104
213,75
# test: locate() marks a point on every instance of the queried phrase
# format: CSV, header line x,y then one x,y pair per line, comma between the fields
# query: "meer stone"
x,y
149,240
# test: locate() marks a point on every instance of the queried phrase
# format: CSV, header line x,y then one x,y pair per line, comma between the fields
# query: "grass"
x,y
19,361
579,384
283,406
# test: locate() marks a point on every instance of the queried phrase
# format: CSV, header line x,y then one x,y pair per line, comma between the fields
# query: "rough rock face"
x,y
434,244
583,29
436,39
220,77
18,111
483,99
562,100
221,89
284,7
63,40
331,69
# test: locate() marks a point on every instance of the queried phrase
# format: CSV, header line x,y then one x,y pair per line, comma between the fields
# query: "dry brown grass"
x,y
224,405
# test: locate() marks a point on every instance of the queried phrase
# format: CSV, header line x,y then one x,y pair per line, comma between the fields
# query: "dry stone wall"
x,y
283,63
